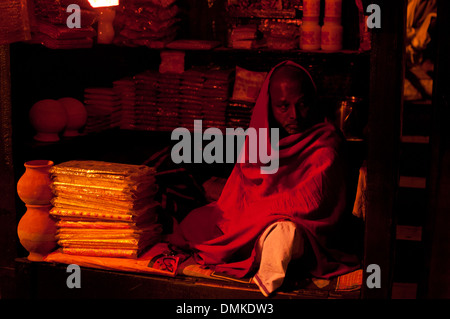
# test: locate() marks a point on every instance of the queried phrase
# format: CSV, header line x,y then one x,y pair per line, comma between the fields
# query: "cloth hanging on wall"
x,y
14,22
419,16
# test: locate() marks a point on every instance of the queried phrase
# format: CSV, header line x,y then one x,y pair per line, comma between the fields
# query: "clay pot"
x,y
48,118
34,187
76,115
37,231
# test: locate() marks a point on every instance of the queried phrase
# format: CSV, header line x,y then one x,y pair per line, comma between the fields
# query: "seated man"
x,y
263,222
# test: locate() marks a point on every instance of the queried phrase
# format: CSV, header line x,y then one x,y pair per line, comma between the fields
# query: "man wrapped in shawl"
x,y
263,223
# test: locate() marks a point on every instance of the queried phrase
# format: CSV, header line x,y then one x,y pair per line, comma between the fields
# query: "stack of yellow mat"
x,y
105,209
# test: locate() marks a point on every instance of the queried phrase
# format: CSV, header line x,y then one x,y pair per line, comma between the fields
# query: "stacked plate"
x,y
126,92
146,103
164,101
215,94
169,104
239,114
192,83
105,209
103,109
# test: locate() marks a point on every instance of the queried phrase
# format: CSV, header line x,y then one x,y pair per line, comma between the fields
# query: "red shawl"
x,y
308,189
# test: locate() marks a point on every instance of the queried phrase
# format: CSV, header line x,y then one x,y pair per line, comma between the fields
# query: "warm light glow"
x,y
103,3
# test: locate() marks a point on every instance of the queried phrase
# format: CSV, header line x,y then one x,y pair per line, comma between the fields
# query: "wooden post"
x,y
436,283
385,103
8,221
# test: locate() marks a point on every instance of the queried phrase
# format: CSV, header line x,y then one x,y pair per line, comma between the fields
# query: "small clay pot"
x,y
34,186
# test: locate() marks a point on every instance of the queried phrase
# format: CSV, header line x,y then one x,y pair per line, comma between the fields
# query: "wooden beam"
x,y
385,103
8,222
405,232
415,139
436,283
412,182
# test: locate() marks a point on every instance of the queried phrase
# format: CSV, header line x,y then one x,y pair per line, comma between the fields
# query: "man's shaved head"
x,y
292,96
293,74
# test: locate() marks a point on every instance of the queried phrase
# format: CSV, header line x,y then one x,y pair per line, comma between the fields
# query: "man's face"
x,y
289,105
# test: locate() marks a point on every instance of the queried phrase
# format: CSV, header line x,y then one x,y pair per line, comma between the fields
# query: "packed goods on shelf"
x,y
136,23
146,23
289,25
249,5
162,101
252,24
165,101
49,24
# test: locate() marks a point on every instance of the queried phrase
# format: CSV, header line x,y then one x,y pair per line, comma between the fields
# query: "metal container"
x,y
347,119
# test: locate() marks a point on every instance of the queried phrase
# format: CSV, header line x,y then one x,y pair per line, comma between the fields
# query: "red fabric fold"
x,y
308,189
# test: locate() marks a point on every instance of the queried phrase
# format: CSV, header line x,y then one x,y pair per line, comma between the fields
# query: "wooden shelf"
x,y
413,233
415,139
99,283
104,48
425,102
295,51
263,14
402,290
412,182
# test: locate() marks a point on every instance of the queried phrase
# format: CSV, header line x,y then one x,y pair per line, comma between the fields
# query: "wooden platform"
x,y
42,280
